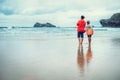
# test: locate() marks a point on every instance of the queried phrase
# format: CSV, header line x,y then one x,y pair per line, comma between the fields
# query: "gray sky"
x,y
58,12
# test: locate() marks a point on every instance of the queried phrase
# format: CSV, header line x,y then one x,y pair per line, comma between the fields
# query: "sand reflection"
x,y
89,55
81,59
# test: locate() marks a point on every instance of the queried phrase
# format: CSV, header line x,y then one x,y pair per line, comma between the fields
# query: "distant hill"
x,y
114,21
37,24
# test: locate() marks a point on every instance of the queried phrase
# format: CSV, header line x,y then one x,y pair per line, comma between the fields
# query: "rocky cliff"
x,y
114,21
37,24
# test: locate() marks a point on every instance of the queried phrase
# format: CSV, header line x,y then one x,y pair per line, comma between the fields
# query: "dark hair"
x,y
82,17
88,22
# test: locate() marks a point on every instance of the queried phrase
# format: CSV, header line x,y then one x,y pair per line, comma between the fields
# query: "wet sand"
x,y
60,59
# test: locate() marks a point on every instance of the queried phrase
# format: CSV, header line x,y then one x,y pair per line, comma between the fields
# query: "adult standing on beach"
x,y
81,29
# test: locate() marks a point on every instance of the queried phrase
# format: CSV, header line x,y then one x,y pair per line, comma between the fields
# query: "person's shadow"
x,y
81,59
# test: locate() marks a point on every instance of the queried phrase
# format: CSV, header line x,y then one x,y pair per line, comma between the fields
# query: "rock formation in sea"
x,y
37,24
114,21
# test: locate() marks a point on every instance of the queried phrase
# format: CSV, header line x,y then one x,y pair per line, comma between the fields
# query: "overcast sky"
x,y
58,12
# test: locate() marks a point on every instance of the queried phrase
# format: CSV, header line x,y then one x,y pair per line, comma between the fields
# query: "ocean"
x,y
28,53
18,33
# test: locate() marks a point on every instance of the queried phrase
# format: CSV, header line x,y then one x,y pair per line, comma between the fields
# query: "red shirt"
x,y
81,25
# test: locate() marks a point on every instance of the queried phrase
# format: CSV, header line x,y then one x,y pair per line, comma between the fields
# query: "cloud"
x,y
60,12
1,1
6,11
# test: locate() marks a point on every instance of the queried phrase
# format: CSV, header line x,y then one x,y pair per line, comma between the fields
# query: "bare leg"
x,y
81,41
89,40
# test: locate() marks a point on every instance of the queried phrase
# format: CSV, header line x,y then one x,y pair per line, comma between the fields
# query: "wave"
x,y
48,30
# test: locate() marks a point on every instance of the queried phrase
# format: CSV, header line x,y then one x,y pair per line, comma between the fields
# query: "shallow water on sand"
x,y
42,55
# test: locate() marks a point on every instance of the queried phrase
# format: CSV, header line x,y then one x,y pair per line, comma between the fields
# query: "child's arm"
x,y
92,31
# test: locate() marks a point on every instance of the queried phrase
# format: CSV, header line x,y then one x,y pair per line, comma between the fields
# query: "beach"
x,y
53,54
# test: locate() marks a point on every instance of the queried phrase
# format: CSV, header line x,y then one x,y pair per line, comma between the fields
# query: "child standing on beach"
x,y
89,32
